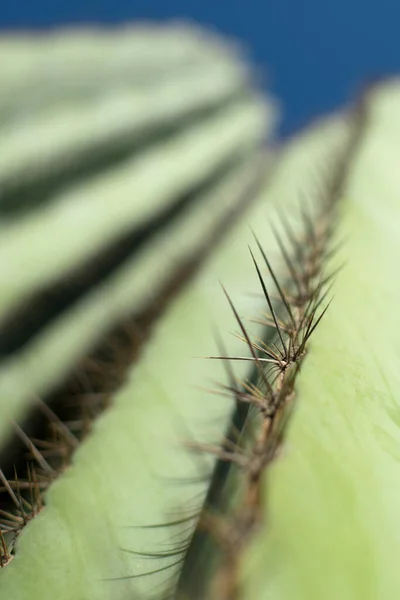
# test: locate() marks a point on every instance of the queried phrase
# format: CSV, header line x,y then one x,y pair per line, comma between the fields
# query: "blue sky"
x,y
315,52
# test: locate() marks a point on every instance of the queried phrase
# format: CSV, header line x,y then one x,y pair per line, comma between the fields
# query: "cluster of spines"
x,y
294,311
294,314
60,424
264,402
22,497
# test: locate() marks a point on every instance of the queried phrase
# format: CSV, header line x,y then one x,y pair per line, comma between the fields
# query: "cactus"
x,y
115,187
131,184
338,537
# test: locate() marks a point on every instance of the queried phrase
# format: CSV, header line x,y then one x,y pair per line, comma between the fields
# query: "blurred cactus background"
x,y
181,417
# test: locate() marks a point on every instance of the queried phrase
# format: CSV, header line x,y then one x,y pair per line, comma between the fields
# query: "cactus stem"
x,y
300,305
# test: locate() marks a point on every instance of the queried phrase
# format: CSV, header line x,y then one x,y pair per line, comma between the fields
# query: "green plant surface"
x,y
178,106
89,214
57,141
332,505
67,62
45,361
123,475
187,147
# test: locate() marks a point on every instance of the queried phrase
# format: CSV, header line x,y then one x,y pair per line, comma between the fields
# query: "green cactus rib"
x,y
171,548
131,187
87,214
93,137
270,395
117,478
48,304
43,72
43,362
96,378
107,243
189,73
332,500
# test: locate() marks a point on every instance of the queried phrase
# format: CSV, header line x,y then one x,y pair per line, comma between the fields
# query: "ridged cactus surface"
x,y
161,434
101,188
127,157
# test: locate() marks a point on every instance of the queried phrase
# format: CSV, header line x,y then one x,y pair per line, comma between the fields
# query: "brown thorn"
x,y
8,488
239,396
53,418
308,222
257,360
318,321
292,270
10,517
5,555
21,499
278,287
35,452
269,302
248,341
225,455
310,329
265,349
265,322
